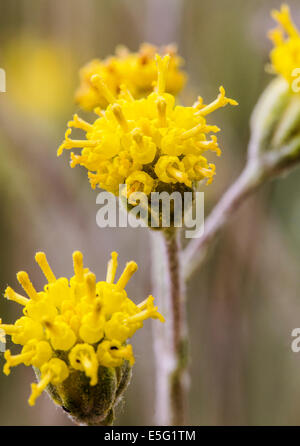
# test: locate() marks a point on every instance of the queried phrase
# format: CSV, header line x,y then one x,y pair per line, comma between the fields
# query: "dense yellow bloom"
x,y
150,143
77,324
285,56
135,71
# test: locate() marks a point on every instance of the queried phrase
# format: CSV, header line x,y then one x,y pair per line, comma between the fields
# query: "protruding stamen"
x,y
283,17
55,371
37,389
119,115
90,280
142,305
162,110
13,361
27,286
221,101
10,294
78,265
42,261
80,123
162,71
149,312
102,88
128,272
112,268
75,143
200,128
9,328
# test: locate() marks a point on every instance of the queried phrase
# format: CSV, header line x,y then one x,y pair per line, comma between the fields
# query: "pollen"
x,y
75,325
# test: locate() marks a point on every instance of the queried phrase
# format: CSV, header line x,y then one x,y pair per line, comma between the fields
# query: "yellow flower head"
x,y
135,71
75,326
150,143
285,56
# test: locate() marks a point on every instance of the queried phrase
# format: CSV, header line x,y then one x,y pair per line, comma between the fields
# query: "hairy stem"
x,y
170,338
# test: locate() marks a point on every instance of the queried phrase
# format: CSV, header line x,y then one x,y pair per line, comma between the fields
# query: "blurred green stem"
x,y
170,339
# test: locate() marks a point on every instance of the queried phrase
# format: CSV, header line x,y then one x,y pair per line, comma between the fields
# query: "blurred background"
x,y
245,302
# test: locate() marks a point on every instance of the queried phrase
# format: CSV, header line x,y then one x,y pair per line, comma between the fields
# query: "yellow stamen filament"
x,y
41,260
140,317
192,132
149,311
37,389
10,294
102,88
78,265
90,280
75,143
13,361
119,115
176,174
128,272
80,123
27,286
10,329
208,144
112,268
284,18
142,305
162,110
162,71
221,101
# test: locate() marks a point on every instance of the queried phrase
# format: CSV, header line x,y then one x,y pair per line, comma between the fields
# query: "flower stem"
x,y
170,340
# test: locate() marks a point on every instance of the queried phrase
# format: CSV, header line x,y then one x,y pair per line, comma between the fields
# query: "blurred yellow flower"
x,y
39,76
285,56
135,71
147,143
75,326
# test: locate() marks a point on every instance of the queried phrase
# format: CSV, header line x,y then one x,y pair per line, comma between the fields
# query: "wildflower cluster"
x,y
150,143
135,71
285,56
77,326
